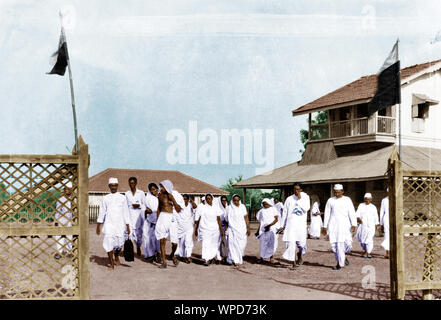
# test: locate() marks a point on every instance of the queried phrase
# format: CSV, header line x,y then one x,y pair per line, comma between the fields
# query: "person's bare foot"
x,y
175,261
117,262
110,267
188,260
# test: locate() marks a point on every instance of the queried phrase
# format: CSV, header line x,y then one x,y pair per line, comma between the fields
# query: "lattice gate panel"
x,y
44,242
39,267
422,240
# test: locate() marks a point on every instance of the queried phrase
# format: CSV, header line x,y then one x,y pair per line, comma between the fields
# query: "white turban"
x,y
113,181
338,187
367,195
168,186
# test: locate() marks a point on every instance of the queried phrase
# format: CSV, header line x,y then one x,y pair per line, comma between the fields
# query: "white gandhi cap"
x,y
367,195
338,187
113,181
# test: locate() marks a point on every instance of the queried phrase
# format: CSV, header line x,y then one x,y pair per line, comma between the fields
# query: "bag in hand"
x,y
129,255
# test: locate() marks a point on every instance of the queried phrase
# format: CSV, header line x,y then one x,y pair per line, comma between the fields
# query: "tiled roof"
x,y
181,182
363,88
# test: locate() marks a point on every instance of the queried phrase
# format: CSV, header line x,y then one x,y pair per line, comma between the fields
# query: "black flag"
x,y
389,83
59,58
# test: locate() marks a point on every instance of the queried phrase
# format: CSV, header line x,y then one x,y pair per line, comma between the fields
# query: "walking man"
x,y
340,222
166,226
294,226
114,216
136,202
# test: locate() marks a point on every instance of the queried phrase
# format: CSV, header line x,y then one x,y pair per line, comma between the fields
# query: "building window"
x,y
362,110
420,111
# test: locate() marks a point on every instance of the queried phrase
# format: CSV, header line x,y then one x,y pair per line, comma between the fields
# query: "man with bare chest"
x,y
170,204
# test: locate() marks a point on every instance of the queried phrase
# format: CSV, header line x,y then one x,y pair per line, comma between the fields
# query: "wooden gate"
x,y
44,246
415,229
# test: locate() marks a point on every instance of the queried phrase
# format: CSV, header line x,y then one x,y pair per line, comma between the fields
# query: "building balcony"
x,y
365,129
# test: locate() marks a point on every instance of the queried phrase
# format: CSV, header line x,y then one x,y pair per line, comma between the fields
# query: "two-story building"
x,y
352,148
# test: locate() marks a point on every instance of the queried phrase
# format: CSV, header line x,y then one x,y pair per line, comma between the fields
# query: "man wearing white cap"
x,y
63,218
384,222
367,217
340,218
170,204
136,202
294,225
114,216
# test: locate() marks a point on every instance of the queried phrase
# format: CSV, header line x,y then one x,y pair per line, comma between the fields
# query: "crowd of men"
x,y
149,220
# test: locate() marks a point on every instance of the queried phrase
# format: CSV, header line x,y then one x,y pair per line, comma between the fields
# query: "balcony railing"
x,y
353,127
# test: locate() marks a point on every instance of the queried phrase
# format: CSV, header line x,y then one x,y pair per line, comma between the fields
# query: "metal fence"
x,y
44,239
94,211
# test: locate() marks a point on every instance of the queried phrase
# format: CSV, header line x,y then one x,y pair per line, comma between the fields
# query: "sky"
x,y
145,71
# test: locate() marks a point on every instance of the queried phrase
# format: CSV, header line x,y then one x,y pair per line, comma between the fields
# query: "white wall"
x,y
430,85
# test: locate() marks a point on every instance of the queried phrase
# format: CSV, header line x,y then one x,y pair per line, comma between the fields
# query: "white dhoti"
x,y
385,243
291,249
111,242
149,242
64,243
236,246
210,244
365,238
268,244
136,224
315,226
166,227
340,249
185,244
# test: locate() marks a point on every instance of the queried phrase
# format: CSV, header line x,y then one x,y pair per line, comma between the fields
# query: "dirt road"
x,y
314,280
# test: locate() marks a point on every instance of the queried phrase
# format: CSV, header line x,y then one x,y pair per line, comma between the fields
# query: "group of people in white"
x,y
149,220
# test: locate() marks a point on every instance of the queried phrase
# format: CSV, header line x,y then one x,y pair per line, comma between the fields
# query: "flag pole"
x,y
71,88
399,106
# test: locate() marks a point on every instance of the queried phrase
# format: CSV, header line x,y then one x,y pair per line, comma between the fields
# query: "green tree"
x,y
254,197
4,194
320,118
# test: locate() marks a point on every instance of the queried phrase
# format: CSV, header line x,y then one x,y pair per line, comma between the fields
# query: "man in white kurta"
x,y
384,222
149,242
114,218
294,224
185,220
340,222
367,217
136,203
316,224
63,218
268,218
238,229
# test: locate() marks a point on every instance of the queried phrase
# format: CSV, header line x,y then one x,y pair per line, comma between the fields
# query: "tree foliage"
x,y
320,118
254,197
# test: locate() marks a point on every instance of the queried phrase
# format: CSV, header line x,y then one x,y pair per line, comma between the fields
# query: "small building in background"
x,y
346,145
185,184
